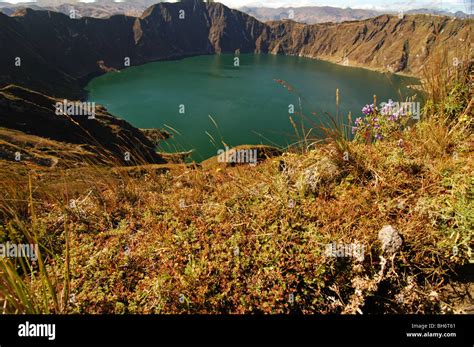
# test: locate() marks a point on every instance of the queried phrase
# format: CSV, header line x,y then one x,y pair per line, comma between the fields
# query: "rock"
x,y
248,155
323,172
390,239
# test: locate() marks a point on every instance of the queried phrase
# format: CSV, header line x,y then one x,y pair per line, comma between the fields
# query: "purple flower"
x,y
368,109
377,126
378,137
359,121
354,130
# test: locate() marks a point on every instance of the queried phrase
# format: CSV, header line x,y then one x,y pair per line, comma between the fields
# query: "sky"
x,y
450,5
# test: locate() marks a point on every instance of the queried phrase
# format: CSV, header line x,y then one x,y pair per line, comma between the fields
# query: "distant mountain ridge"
x,y
135,8
98,9
323,14
309,14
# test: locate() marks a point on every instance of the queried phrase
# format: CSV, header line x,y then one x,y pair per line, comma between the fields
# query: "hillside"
x,y
254,239
32,113
385,43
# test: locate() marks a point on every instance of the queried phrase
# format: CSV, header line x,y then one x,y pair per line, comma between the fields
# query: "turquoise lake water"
x,y
249,103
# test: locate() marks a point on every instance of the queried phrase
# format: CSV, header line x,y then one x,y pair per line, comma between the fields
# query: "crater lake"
x,y
204,101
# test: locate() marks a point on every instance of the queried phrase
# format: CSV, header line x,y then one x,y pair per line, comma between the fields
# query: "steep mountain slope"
x,y
33,113
385,43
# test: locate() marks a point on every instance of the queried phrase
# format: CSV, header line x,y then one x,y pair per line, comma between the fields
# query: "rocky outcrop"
x,y
35,114
386,42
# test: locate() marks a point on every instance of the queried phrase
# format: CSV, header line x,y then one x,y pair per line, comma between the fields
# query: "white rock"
x,y
390,239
